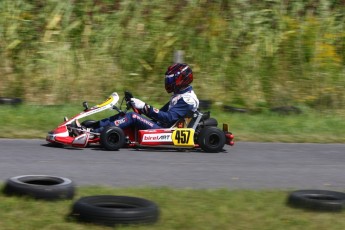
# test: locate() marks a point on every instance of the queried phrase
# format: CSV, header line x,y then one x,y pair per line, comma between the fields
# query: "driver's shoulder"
x,y
189,98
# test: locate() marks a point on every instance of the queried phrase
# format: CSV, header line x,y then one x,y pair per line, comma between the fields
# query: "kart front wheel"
x,y
112,138
211,139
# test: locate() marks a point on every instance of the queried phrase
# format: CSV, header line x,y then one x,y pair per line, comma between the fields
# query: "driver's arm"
x,y
169,117
165,107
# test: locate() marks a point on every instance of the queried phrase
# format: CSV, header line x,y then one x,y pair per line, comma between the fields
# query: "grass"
x,y
179,209
28,121
310,127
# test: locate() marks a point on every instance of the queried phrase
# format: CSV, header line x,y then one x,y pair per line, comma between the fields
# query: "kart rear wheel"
x,y
112,138
211,139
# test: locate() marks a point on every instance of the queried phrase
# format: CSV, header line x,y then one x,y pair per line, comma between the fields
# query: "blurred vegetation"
x,y
246,53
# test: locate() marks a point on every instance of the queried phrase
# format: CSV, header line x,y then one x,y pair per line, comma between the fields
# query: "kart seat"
x,y
193,119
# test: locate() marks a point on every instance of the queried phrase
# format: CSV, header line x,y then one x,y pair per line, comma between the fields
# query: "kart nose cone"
x,y
50,136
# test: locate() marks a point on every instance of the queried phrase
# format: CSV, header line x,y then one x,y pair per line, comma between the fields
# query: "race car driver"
x,y
178,78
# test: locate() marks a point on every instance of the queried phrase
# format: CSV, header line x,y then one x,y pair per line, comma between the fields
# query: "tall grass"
x,y
243,52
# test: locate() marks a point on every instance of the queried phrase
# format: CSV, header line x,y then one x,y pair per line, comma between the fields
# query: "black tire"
x,y
209,122
112,138
211,139
40,187
113,210
10,100
317,200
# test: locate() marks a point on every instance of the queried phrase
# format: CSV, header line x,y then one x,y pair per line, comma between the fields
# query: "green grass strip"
x,y
25,121
179,209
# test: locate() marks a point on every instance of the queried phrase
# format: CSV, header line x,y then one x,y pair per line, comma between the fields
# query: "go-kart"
x,y
195,131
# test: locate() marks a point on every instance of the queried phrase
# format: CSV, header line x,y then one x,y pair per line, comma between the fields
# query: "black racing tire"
x,y
112,138
41,187
209,122
211,139
317,200
112,210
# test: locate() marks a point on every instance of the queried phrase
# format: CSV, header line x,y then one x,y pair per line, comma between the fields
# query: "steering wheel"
x,y
128,96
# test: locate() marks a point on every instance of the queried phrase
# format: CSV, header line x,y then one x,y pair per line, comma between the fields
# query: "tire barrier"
x,y
232,109
317,200
281,110
205,104
10,101
286,110
42,187
112,210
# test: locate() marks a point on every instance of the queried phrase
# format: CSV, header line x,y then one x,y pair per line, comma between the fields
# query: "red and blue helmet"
x,y
177,77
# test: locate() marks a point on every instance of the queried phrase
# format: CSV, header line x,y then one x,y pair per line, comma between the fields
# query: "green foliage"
x,y
243,52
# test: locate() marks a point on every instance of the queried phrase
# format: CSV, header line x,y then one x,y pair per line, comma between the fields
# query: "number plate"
x,y
183,137
107,102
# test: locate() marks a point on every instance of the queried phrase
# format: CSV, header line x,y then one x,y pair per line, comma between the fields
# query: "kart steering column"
x,y
128,97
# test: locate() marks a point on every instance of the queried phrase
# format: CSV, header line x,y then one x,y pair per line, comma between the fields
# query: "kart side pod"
x,y
154,137
182,137
81,140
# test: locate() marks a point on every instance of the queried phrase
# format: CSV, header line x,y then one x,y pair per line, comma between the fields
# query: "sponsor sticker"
x,y
120,121
158,137
139,118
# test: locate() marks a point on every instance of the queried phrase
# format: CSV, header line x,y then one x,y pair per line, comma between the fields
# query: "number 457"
x,y
182,136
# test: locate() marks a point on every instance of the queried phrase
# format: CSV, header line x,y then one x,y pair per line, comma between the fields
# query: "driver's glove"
x,y
138,104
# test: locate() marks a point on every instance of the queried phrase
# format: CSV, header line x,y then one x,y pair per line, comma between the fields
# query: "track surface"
x,y
244,166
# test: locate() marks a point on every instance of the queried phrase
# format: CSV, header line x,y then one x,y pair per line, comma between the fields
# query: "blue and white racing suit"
x,y
179,106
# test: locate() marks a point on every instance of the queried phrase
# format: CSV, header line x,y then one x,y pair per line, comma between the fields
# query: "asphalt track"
x,y
244,166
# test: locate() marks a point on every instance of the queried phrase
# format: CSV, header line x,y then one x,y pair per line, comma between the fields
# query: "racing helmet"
x,y
177,77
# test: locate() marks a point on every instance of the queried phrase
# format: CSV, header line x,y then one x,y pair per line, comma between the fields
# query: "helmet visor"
x,y
170,82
